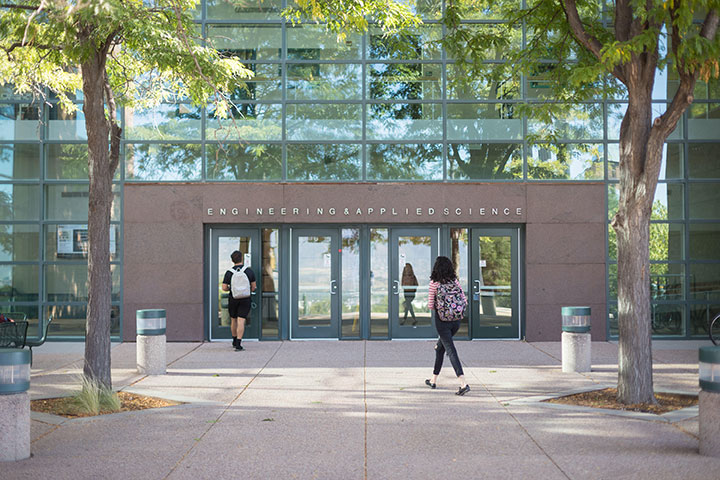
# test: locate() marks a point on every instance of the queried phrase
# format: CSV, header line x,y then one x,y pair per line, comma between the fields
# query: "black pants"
x,y
446,330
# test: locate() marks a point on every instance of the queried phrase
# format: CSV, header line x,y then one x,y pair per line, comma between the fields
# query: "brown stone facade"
x,y
564,244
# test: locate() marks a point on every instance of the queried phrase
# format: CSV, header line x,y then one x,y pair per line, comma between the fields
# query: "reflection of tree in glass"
x,y
163,161
495,251
323,162
403,161
485,161
244,162
67,161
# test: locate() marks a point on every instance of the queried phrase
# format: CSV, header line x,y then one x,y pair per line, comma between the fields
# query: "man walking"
x,y
240,282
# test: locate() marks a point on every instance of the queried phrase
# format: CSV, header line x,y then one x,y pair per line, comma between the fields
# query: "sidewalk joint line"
x,y
507,410
217,420
365,401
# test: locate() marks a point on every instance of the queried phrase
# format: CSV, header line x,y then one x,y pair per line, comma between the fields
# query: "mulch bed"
x,y
128,402
607,398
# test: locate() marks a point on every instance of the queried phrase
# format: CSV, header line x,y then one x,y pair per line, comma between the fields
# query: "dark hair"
x,y
236,256
443,270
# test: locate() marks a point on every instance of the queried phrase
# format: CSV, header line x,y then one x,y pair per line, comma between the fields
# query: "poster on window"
x,y
72,241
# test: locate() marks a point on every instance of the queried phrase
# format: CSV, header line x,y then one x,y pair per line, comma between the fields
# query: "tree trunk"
x,y
635,382
639,158
97,339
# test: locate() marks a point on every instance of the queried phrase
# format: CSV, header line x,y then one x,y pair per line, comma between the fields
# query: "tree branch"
x,y
16,7
588,41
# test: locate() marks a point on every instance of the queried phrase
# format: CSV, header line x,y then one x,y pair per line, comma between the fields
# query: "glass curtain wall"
x,y
367,108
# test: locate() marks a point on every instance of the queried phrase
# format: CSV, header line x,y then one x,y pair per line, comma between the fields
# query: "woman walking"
x,y
448,300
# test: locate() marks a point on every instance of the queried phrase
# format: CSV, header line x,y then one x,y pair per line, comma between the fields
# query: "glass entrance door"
x,y
316,283
494,261
224,242
412,254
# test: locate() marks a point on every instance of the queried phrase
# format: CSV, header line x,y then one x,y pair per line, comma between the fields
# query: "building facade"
x,y
345,164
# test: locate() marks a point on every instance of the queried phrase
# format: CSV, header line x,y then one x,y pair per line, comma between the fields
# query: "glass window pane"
x,y
244,162
19,243
407,121
19,202
70,202
704,121
667,241
19,122
68,283
424,8
265,84
404,81
245,10
463,85
324,81
420,44
339,121
459,248
324,162
483,121
163,162
667,281
485,161
19,162
670,168
404,162
700,318
669,202
379,316
67,242
704,160
18,283
251,121
69,320
705,281
269,283
67,162
668,319
704,201
704,241
163,122
478,35
483,10
315,42
247,42
65,124
580,161
576,122
616,112
351,283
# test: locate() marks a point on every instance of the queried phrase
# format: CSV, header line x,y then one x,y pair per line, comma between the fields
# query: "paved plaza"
x,y
360,410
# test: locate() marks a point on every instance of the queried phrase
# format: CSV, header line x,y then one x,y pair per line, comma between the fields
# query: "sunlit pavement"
x,y
360,409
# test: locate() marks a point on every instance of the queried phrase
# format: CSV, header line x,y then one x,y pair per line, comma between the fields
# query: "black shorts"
x,y
239,308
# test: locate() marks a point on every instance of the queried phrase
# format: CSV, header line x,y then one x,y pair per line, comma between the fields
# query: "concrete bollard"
x,y
709,401
151,342
576,342
14,404
576,352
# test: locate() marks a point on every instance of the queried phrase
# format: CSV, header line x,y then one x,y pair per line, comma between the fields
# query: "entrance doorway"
x,y
224,242
366,281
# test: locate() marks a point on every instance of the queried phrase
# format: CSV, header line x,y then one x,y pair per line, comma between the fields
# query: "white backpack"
x,y
240,283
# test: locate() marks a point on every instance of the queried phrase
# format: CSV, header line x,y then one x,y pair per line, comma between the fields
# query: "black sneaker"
x,y
429,383
463,390
239,348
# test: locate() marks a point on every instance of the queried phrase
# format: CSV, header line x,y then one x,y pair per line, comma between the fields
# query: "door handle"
x,y
477,287
396,287
333,287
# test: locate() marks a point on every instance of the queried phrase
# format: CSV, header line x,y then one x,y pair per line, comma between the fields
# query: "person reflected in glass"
x,y
442,275
409,283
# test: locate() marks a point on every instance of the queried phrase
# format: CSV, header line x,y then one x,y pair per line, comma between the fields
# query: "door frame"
x,y
218,332
515,330
333,330
397,331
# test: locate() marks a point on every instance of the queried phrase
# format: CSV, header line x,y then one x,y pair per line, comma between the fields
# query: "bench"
x,y
13,334
43,327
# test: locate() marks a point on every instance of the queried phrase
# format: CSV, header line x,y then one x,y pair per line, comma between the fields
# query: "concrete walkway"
x,y
359,410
